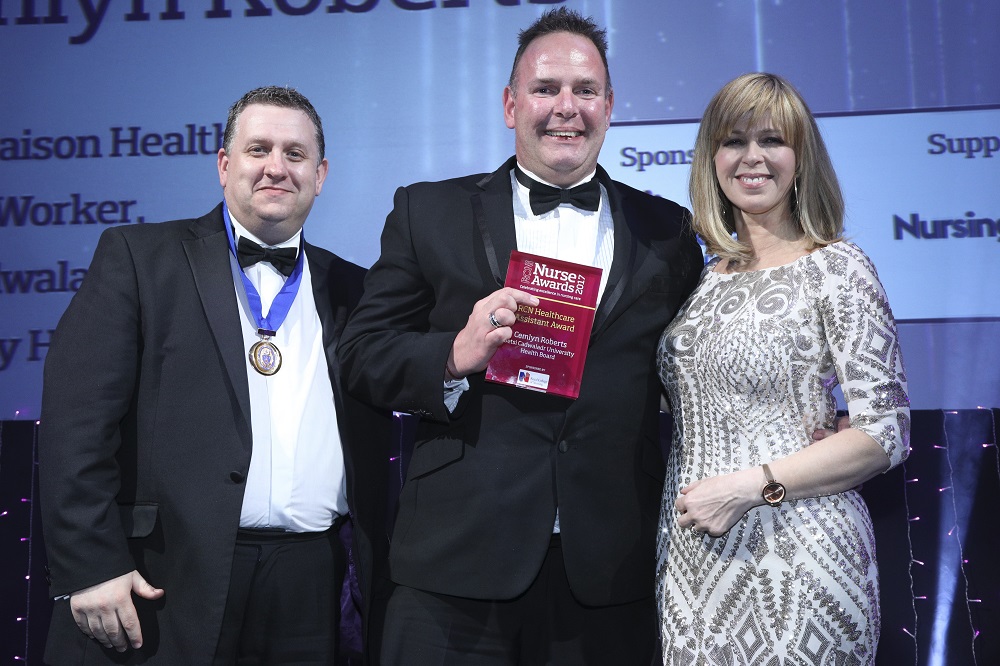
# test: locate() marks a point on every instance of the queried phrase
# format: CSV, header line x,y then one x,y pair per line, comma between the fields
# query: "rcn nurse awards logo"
x,y
539,275
527,271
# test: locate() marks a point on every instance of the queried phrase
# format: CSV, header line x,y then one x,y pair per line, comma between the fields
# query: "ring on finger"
x,y
494,322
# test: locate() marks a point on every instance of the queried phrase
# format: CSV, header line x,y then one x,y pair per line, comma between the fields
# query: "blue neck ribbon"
x,y
282,303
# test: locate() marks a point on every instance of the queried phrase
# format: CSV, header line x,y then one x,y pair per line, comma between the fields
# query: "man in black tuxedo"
x,y
525,531
197,453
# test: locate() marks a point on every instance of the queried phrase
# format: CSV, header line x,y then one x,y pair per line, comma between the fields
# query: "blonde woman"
x,y
766,551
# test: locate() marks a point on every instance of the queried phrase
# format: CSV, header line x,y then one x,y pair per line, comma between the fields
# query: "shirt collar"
x,y
240,230
545,182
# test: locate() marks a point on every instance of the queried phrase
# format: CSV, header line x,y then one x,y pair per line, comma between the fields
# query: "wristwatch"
x,y
773,492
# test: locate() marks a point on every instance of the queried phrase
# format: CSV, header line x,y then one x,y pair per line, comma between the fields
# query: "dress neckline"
x,y
715,262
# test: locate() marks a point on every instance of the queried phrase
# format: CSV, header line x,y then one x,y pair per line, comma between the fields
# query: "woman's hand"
x,y
715,504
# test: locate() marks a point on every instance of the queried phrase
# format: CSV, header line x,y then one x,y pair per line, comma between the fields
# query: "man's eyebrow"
x,y
588,81
271,142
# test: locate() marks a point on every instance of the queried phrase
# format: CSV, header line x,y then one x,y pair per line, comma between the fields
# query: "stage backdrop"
x,y
112,113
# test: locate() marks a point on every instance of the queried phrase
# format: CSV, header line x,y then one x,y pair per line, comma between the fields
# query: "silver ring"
x,y
494,322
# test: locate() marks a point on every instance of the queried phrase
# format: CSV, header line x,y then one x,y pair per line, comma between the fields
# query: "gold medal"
x,y
265,357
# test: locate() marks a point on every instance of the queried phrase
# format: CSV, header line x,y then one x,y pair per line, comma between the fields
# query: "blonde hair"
x,y
816,201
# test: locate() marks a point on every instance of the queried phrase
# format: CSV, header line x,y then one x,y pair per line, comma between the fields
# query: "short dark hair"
x,y
562,19
282,96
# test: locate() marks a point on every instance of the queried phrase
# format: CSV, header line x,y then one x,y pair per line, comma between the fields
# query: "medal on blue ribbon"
x,y
264,355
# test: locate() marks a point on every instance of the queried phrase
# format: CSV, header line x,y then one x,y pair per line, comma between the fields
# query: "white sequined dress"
x,y
749,364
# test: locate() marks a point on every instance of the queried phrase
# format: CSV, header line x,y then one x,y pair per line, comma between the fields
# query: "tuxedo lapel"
x,y
624,260
493,209
331,323
208,255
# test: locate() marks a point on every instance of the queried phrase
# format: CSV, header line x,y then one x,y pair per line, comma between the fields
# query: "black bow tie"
x,y
544,198
249,253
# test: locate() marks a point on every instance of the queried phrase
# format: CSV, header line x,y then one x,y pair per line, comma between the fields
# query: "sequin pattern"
x,y
749,365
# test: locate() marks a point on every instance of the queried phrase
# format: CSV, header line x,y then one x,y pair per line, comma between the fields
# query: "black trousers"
x,y
545,625
284,600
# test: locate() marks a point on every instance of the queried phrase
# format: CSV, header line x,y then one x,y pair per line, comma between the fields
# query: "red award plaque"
x,y
549,345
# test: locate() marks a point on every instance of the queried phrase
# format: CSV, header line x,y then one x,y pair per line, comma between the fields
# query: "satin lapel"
x,y
331,323
624,261
493,209
208,255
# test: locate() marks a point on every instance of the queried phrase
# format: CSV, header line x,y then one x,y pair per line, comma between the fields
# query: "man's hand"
x,y
479,340
105,611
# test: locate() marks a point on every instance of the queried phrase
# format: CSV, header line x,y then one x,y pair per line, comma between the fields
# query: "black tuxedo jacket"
x,y
145,436
477,507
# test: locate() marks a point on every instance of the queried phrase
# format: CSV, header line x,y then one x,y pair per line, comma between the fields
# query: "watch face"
x,y
773,493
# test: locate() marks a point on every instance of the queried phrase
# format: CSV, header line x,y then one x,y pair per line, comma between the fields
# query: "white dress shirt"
x,y
566,233
297,479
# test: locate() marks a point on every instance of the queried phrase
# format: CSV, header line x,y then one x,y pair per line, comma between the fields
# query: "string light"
x,y
940,592
14,449
909,538
941,581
